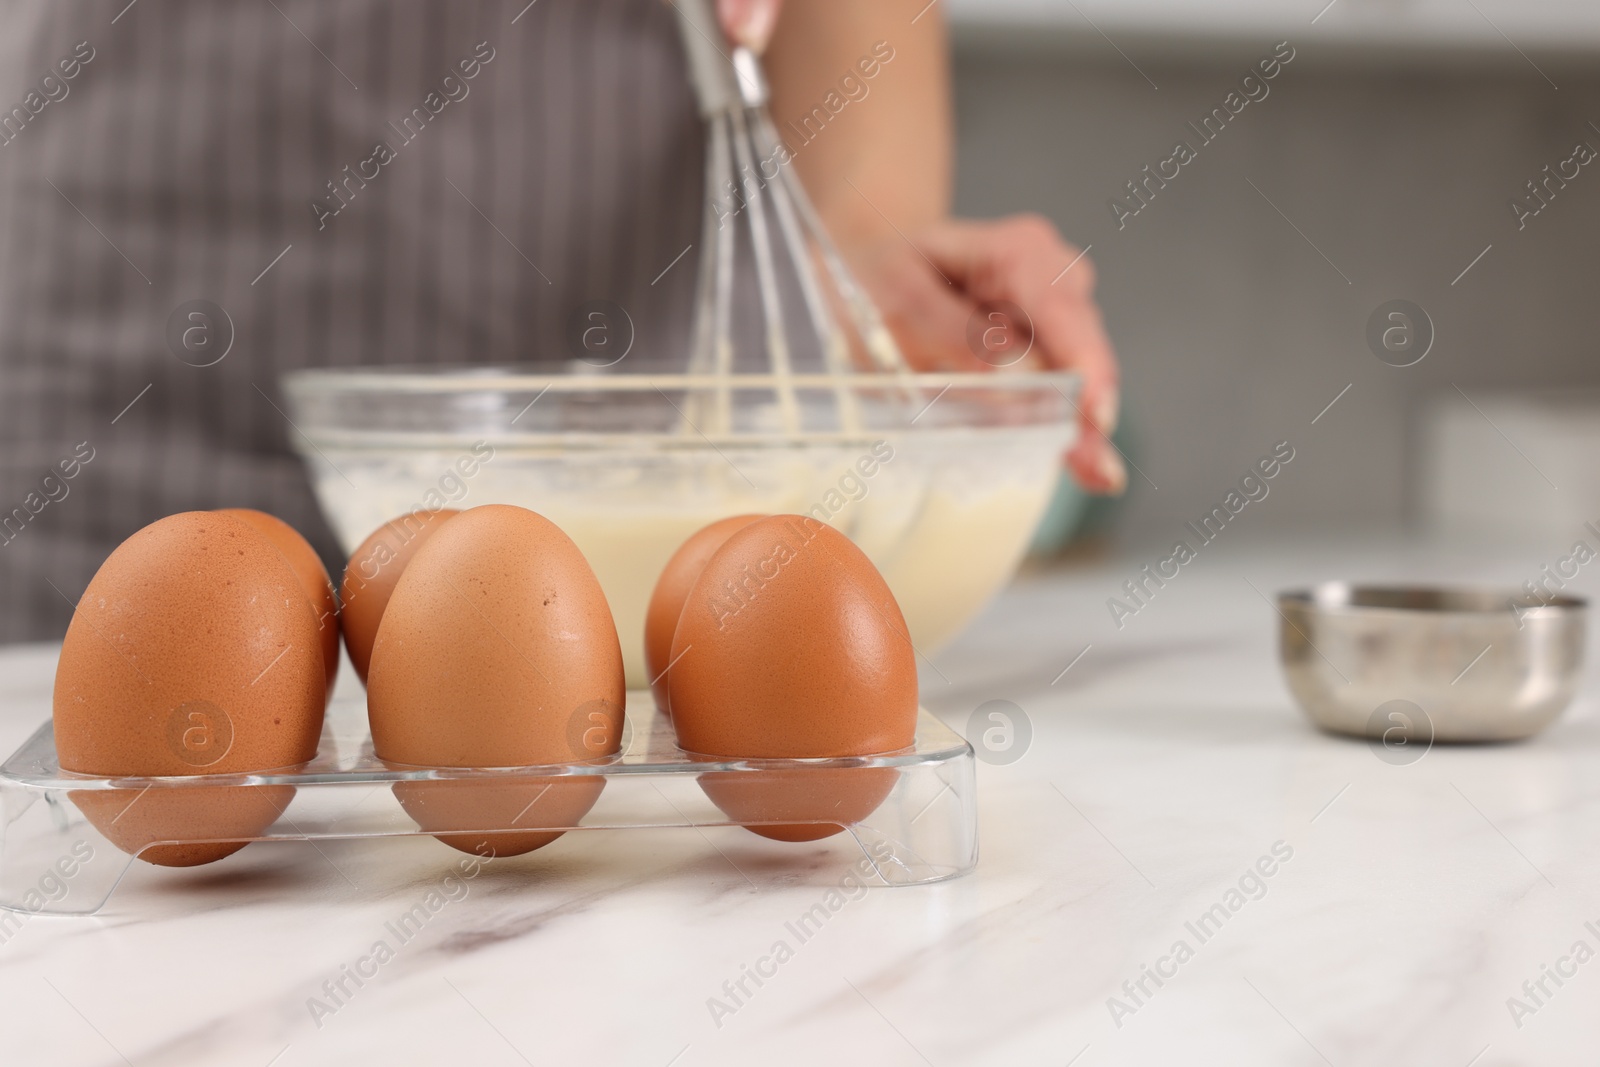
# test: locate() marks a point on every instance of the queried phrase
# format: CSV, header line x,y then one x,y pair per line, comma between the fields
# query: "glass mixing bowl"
x,y
939,478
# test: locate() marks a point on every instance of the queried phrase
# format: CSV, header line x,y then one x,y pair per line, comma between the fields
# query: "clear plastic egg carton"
x,y
54,860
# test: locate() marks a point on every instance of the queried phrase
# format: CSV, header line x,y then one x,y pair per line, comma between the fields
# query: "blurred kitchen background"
x,y
1394,141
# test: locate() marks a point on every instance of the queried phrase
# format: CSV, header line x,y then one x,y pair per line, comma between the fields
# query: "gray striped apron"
x,y
178,174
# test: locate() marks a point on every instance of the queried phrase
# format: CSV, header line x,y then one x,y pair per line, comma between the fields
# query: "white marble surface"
x,y
1166,762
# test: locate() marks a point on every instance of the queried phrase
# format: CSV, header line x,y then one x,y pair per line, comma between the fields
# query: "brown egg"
x,y
790,646
194,650
824,800
497,649
672,589
313,577
371,574
461,813
204,823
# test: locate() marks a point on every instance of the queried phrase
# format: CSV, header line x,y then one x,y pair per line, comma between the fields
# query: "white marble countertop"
x,y
1406,904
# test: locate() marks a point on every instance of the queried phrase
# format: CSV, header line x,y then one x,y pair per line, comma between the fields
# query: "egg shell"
x,y
497,649
791,646
672,589
313,578
205,822
370,577
459,812
821,800
194,650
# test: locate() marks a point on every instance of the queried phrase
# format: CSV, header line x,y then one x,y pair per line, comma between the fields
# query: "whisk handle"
x,y
725,76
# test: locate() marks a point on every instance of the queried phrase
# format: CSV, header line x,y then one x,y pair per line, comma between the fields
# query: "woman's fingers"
x,y
749,22
1024,261
1072,335
927,315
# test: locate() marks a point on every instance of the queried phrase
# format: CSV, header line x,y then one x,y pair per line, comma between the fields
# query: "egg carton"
x,y
53,859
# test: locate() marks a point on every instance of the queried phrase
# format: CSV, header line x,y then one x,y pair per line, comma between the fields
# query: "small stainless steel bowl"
x,y
1479,664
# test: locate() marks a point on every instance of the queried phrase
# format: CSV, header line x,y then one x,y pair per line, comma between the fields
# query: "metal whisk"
x,y
810,318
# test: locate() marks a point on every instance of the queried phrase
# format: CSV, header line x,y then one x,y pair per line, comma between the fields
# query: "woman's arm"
x,y
891,135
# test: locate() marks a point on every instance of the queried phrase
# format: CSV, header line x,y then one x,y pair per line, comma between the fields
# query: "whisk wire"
x,y
766,268
757,207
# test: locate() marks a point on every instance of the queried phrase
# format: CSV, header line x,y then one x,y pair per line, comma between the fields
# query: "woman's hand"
x,y
749,22
880,175
931,283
